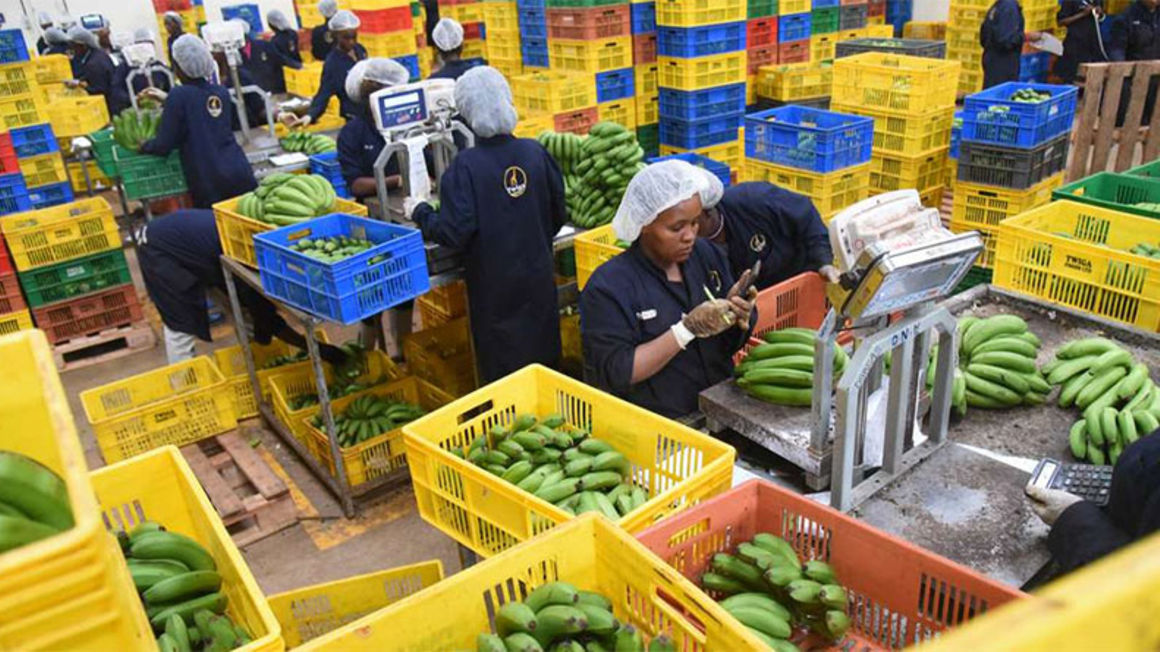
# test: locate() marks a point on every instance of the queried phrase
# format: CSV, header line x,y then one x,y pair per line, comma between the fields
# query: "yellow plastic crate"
x,y
590,553
304,82
933,197
382,454
795,81
508,67
750,90
645,78
96,177
896,83
971,81
232,363
678,465
594,248
701,72
46,94
449,299
731,154
443,356
160,486
59,233
52,68
831,192
981,208
899,172
43,169
930,31
906,135
77,116
878,30
18,79
311,611
177,404
534,124
695,13
11,322
327,122
21,110
503,16
1077,255
237,231
822,47
389,44
648,110
880,20
971,58
620,111
590,56
464,13
786,7
553,92
72,577
503,46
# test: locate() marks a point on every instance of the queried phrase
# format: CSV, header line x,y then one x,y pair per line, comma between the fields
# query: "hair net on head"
x,y
278,20
142,35
384,71
653,191
173,17
192,55
43,18
327,8
343,20
447,35
484,99
78,34
713,191
55,36
354,80
66,22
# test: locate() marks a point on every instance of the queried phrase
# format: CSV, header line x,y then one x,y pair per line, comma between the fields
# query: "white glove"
x,y
155,93
304,121
1049,504
830,273
409,206
288,118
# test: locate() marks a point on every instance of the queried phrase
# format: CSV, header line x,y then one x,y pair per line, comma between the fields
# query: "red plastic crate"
x,y
761,56
378,21
761,31
10,298
588,23
846,3
899,594
794,52
88,315
162,6
8,162
576,122
644,48
472,31
876,8
5,259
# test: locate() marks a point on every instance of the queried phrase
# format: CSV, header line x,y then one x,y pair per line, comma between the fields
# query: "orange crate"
x,y
798,302
900,594
576,122
588,23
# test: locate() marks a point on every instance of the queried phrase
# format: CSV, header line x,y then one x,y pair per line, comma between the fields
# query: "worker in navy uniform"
x,y
320,40
448,39
180,258
282,50
119,94
45,22
175,28
195,119
1002,39
760,221
1136,37
92,66
660,322
359,142
346,52
502,203
1081,45
1082,532
57,42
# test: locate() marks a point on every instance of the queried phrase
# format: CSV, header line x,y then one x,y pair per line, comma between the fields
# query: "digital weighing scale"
x,y
142,60
229,38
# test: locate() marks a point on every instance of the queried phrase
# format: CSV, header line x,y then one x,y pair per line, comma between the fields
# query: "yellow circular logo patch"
x,y
515,181
214,105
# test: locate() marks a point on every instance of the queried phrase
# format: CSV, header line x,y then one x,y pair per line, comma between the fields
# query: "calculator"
x,y
1088,481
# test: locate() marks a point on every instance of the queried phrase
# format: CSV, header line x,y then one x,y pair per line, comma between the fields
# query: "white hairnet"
x,y
278,20
484,99
43,18
173,17
66,22
328,8
343,20
142,35
245,24
354,80
55,36
713,192
192,55
78,34
447,35
387,72
653,191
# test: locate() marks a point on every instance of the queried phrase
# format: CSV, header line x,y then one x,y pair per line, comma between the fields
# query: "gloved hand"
x,y
710,318
304,121
741,306
830,273
1048,504
332,354
287,118
153,93
72,83
409,206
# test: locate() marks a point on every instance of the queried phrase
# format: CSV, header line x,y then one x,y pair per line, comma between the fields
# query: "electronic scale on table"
x,y
142,60
1088,481
896,258
229,38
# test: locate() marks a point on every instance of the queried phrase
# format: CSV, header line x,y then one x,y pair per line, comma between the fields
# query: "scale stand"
x,y
442,142
229,38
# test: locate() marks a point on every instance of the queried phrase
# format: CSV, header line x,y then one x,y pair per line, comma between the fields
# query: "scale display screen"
x,y
402,109
908,286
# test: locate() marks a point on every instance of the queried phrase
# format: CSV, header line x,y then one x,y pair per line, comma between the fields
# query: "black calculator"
x,y
1088,481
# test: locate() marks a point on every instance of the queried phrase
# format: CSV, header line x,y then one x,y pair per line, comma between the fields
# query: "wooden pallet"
x,y
251,499
1095,130
104,346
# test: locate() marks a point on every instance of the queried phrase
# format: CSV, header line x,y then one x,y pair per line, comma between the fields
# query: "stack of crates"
x,y
21,101
962,36
594,38
72,270
795,29
805,84
533,22
189,20
469,14
1012,155
387,30
644,61
41,165
553,100
14,315
912,102
71,111
760,43
821,154
502,21
426,52
701,76
831,23
309,17
876,13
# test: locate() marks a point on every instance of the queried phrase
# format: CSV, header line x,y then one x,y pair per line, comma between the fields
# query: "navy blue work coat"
x,y
333,83
96,69
1002,39
320,42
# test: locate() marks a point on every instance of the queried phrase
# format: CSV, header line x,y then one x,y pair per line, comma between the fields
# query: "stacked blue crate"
x,y
533,21
692,119
52,186
326,165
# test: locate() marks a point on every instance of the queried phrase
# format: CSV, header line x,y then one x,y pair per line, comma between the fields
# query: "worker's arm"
x,y
282,53
1073,11
326,90
1118,43
169,132
98,76
455,223
350,157
1082,534
809,228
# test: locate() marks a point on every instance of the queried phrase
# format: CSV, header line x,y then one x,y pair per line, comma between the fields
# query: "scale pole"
x,y
241,98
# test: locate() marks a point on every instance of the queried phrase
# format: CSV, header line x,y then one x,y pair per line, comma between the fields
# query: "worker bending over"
x,y
760,221
92,66
45,22
1082,532
57,41
346,52
320,40
661,322
196,120
1001,36
359,142
501,203
280,52
448,39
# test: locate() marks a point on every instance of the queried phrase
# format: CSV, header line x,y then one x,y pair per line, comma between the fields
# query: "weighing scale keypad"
x,y
1088,481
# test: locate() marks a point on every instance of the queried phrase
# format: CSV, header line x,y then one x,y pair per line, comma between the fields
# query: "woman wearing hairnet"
x,y
92,66
196,120
45,22
346,52
649,332
448,39
320,39
57,41
502,203
282,50
359,142
119,94
175,28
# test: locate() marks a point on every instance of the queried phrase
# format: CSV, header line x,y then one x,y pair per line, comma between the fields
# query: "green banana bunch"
x,y
369,416
308,143
781,371
283,199
558,616
997,364
282,360
558,464
131,128
346,378
596,169
34,502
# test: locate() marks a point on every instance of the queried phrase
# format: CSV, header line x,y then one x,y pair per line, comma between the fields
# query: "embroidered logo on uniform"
x,y
645,315
715,280
757,243
328,37
263,56
515,181
213,106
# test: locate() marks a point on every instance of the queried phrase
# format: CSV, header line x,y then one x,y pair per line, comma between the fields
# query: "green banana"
x,y
1077,439
601,622
762,620
521,642
17,531
182,587
554,621
170,545
552,593
756,600
777,545
175,628
214,602
35,491
489,643
819,571
515,617
722,584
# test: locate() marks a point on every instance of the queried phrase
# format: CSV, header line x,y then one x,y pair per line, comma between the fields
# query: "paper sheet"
x,y
417,174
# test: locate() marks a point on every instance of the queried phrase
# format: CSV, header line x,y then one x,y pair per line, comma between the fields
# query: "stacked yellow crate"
x,y
387,30
501,20
468,13
554,101
962,34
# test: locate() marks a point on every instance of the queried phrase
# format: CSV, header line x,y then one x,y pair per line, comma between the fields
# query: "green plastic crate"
x,y
149,177
975,276
825,21
762,8
1118,192
1147,170
75,278
103,151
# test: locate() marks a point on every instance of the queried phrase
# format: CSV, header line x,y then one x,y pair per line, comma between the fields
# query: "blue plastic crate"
x,y
533,23
325,164
251,13
12,46
13,194
719,170
956,135
521,5
644,17
411,63
534,52
700,41
825,4
693,134
50,195
991,117
793,27
351,289
810,139
1034,67
615,84
34,140
702,104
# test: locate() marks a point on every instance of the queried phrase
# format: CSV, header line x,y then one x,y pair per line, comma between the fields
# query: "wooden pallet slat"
x,y
103,347
1095,132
